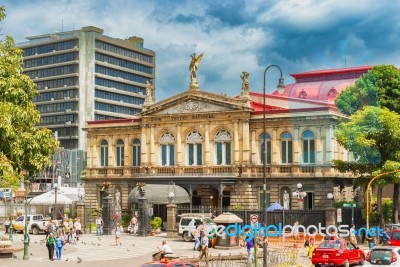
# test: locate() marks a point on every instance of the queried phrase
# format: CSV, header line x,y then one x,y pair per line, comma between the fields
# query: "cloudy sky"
x,y
235,36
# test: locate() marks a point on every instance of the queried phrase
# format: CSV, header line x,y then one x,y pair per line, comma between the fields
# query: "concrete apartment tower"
x,y
83,75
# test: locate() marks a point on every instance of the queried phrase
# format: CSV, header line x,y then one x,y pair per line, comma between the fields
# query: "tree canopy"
x,y
23,146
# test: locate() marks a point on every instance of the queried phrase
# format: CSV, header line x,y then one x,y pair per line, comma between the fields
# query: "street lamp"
x,y
330,197
300,194
26,230
281,87
211,201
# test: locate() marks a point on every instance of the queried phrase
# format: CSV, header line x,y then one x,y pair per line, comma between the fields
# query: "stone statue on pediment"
x,y
149,94
245,81
194,64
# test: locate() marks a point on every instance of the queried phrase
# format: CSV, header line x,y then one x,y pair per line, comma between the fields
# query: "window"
x,y
261,198
104,153
308,147
309,201
223,141
194,148
267,138
303,94
167,141
120,153
287,151
136,152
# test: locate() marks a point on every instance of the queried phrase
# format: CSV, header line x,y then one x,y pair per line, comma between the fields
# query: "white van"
x,y
193,219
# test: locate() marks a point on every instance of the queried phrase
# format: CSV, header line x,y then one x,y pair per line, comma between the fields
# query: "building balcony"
x,y
254,171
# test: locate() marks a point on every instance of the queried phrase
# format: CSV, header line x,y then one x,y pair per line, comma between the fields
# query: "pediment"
x,y
196,103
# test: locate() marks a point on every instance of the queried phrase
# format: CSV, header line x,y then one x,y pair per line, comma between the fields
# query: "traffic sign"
x,y
349,205
254,218
339,215
7,193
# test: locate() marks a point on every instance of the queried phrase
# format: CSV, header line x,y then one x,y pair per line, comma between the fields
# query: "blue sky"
x,y
235,36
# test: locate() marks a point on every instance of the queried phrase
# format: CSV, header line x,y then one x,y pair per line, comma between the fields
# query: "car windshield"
x,y
381,254
330,245
396,236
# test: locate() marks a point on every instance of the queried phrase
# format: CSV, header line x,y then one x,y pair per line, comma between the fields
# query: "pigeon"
x,y
31,254
66,259
128,249
98,244
79,260
99,238
35,242
133,245
14,256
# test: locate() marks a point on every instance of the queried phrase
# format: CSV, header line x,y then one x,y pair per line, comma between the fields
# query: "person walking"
x,y
249,241
353,232
296,230
203,247
59,245
99,226
134,223
50,244
311,242
78,227
117,233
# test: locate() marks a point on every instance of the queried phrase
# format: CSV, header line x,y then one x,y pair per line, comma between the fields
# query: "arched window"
x,y
223,141
308,147
303,94
287,149
194,148
332,93
167,141
265,153
103,153
120,153
136,152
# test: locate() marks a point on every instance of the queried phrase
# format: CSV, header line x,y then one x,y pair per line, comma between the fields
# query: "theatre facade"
x,y
213,146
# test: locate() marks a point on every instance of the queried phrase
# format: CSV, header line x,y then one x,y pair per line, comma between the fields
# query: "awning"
x,y
65,195
158,194
275,206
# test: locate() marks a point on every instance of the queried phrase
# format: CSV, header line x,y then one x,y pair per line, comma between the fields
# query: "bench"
x,y
171,256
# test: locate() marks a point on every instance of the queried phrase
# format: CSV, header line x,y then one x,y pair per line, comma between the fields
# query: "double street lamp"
x,y
280,87
300,194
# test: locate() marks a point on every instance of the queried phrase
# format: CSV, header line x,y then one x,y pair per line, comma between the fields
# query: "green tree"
x,y
379,87
23,146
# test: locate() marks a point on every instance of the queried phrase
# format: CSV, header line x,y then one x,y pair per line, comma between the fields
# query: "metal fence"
x,y
275,258
285,217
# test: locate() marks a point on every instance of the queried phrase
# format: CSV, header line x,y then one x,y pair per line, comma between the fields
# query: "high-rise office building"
x,y
83,75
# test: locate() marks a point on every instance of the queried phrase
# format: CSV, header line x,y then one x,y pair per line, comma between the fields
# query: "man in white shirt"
x,y
99,226
203,246
165,249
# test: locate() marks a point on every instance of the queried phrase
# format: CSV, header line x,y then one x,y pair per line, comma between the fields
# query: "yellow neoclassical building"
x,y
213,146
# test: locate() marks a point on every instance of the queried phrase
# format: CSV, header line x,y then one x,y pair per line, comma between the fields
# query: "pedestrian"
x,y
249,241
78,227
133,224
311,242
165,249
353,232
117,233
370,237
333,235
99,226
50,244
296,230
203,246
385,236
59,245
48,228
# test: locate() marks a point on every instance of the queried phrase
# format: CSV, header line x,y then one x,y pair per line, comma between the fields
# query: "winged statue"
x,y
193,67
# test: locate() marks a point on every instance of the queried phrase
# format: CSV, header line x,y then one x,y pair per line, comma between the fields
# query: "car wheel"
x,y
187,237
362,261
35,230
346,263
318,265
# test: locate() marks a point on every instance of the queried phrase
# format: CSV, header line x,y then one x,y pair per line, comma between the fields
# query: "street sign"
x,y
349,205
254,219
339,215
7,193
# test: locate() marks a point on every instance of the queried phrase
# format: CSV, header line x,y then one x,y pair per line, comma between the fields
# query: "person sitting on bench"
x,y
164,250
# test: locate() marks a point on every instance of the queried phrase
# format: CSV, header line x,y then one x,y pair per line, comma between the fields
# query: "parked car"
x,y
337,253
36,223
393,226
383,256
195,219
169,263
394,239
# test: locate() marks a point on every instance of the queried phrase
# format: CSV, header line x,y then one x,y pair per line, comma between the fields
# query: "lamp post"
x,y
26,230
281,87
330,197
11,229
211,201
300,194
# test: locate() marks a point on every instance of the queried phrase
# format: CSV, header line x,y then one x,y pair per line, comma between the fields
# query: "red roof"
x,y
322,85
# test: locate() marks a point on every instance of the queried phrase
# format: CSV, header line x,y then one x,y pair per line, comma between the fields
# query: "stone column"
x,y
106,213
207,144
111,153
143,148
172,232
246,142
178,145
253,147
80,214
143,225
152,147
297,146
330,216
236,143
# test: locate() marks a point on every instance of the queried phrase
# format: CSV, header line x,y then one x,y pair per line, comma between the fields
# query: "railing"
x,y
193,170
307,169
275,258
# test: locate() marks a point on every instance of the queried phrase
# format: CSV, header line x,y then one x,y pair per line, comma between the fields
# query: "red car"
x,y
169,263
337,253
394,239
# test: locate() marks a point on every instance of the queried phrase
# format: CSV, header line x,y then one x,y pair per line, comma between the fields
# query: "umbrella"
x,y
275,206
65,195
